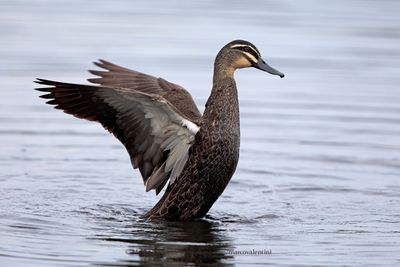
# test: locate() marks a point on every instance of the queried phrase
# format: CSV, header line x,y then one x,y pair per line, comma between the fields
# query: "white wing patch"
x,y
168,130
191,126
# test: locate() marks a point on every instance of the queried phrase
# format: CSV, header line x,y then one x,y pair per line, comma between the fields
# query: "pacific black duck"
x,y
164,133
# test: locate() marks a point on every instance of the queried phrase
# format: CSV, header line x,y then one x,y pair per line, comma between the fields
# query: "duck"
x,y
163,131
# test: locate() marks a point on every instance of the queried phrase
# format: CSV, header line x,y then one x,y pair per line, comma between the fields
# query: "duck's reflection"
x,y
192,242
173,243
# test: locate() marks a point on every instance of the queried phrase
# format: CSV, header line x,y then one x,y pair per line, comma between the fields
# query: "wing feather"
x,y
117,76
153,131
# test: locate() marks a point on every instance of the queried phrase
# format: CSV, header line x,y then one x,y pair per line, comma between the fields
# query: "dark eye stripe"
x,y
249,59
248,50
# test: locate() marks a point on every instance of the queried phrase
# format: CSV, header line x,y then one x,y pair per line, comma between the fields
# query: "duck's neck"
x,y
221,71
222,106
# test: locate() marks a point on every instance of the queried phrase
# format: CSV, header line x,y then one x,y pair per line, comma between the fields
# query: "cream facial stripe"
x,y
252,56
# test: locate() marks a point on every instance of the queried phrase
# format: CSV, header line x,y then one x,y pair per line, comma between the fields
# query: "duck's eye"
x,y
247,49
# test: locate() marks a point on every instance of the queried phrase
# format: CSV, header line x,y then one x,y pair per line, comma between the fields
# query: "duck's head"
x,y
242,54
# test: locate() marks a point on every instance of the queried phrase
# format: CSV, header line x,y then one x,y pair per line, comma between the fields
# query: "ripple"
x,y
290,174
317,180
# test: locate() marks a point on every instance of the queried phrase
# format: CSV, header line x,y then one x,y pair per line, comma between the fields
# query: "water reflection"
x,y
318,177
161,242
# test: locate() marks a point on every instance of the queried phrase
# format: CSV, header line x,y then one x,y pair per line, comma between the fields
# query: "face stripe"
x,y
250,57
247,49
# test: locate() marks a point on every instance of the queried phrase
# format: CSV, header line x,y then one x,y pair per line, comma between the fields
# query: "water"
x,y
318,178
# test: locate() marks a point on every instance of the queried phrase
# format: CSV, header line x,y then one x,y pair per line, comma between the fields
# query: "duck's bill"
x,y
261,65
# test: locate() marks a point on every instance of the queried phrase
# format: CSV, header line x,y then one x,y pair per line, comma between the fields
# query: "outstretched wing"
x,y
157,136
117,76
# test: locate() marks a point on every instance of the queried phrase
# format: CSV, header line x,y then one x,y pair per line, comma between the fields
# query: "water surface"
x,y
318,179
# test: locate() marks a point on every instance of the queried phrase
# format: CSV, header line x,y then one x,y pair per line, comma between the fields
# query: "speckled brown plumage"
x,y
213,159
163,131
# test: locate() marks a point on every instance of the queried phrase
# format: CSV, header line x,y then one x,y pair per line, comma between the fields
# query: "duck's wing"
x,y
157,136
117,76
